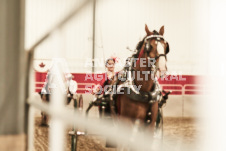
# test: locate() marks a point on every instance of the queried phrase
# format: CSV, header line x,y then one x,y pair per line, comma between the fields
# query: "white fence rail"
x,y
182,88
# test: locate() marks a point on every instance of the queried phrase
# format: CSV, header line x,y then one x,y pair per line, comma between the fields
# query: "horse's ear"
x,y
147,30
161,31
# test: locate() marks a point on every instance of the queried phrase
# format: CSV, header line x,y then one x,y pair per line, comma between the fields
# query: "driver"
x,y
109,77
110,74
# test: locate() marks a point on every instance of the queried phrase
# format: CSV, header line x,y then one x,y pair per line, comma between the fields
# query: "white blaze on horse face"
x,y
162,59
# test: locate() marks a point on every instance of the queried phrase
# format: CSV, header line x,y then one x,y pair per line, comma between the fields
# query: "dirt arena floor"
x,y
181,134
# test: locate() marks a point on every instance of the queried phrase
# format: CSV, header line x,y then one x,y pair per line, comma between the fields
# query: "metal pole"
x,y
94,26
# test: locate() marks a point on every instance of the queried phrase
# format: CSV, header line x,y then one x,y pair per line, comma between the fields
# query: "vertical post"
x,y
31,114
12,71
58,96
94,34
12,67
57,103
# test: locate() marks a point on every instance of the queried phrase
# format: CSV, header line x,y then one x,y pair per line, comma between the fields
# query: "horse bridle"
x,y
148,46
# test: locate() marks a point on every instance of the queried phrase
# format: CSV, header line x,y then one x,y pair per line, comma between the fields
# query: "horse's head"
x,y
156,48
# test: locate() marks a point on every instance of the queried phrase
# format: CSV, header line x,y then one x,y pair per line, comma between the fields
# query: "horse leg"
x,y
44,116
154,113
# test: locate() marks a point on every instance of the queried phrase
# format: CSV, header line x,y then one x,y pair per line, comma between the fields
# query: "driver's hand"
x,y
96,89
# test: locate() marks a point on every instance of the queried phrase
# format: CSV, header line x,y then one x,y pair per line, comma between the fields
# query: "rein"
x,y
140,54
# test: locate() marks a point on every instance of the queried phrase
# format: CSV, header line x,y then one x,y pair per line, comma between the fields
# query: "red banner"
x,y
179,84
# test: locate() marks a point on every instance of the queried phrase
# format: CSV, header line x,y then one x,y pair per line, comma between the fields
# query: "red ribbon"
x,y
140,54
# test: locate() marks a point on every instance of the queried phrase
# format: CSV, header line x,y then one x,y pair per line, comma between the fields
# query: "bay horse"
x,y
143,105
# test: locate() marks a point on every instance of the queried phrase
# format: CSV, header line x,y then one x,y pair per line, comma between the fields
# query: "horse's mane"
x,y
138,47
140,43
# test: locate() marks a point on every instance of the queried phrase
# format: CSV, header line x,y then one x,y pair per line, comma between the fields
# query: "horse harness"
x,y
128,88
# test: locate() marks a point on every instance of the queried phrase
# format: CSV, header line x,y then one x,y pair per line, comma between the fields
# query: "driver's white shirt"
x,y
72,86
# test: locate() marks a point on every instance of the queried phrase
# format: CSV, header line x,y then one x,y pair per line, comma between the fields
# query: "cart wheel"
x,y
159,125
